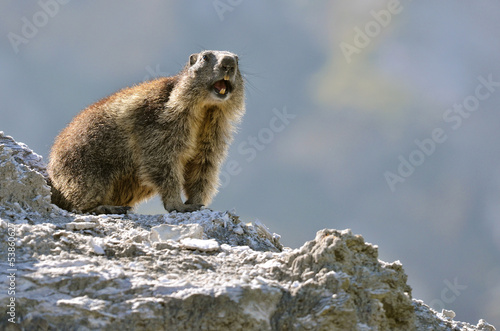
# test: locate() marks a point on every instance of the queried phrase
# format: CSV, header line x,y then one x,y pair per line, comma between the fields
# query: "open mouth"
x,y
222,87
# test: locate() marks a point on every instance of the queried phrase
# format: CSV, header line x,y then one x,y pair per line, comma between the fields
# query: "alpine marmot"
x,y
165,136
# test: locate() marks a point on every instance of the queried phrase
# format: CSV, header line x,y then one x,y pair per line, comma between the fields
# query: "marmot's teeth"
x,y
226,77
222,91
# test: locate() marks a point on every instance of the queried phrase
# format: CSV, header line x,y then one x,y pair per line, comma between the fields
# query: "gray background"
x,y
355,117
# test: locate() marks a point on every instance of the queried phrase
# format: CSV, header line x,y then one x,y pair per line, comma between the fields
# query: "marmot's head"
x,y
215,76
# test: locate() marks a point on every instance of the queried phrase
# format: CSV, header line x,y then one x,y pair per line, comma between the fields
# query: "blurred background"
x,y
378,116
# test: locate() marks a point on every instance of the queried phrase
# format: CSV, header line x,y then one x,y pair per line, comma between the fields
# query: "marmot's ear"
x,y
192,59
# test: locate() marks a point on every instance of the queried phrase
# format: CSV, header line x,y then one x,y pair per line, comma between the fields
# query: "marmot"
x,y
165,136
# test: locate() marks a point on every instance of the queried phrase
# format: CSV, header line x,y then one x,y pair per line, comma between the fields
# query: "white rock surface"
x,y
203,245
204,270
166,232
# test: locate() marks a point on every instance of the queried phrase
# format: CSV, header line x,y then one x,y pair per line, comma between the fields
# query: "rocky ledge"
x,y
204,270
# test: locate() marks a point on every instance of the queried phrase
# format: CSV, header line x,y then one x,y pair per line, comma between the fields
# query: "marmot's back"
x,y
164,136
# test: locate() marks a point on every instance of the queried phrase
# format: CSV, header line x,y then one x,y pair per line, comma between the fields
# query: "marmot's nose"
x,y
228,63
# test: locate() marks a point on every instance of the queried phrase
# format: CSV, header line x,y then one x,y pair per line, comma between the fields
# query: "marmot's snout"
x,y
227,68
228,65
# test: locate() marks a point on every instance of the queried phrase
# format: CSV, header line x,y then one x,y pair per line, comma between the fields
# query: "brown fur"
x,y
161,137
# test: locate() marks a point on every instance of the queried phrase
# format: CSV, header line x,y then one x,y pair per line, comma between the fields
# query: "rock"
x,y
23,176
204,270
166,232
204,245
448,314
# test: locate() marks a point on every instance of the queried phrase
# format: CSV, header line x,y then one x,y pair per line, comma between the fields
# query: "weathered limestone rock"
x,y
22,175
204,270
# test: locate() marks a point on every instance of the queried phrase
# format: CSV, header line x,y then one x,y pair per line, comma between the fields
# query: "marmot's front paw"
x,y
183,208
192,206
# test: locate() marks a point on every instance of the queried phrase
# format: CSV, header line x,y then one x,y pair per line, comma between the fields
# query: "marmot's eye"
x,y
205,57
